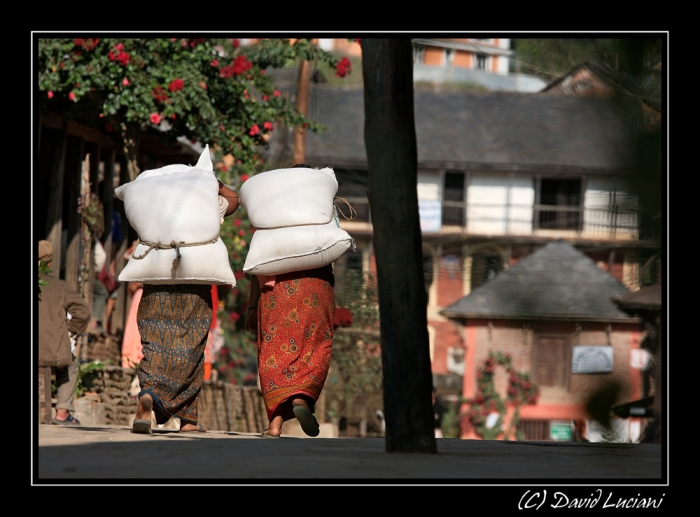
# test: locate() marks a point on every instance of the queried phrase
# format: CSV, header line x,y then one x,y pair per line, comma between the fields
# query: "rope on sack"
x,y
353,212
173,245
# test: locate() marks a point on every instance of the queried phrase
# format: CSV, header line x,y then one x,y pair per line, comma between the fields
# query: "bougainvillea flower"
x,y
214,62
265,97
236,222
125,82
235,43
244,177
268,126
159,93
254,130
155,118
71,96
226,71
49,94
176,84
276,93
241,64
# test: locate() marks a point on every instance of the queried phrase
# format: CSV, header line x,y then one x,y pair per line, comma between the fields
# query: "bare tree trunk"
x,y
130,139
390,140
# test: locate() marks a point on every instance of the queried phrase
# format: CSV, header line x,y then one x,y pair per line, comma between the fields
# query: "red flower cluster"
x,y
159,93
254,130
226,71
155,118
268,126
343,68
87,44
235,43
176,84
241,64
195,41
120,56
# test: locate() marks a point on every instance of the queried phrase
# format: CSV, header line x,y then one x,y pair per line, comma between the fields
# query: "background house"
x,y
553,312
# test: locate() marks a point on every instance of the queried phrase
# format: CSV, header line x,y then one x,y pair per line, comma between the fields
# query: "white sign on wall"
x,y
592,359
430,213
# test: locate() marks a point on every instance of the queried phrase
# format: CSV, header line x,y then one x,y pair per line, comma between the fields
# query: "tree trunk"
x,y
130,141
390,140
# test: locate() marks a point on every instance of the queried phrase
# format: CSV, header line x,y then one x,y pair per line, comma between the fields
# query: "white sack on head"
x,y
296,248
176,203
289,197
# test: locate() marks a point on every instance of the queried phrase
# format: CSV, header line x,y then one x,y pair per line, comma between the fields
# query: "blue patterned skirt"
x,y
174,322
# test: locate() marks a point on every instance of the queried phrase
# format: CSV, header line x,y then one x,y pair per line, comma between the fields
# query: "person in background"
x,y
62,311
438,410
174,322
131,342
99,291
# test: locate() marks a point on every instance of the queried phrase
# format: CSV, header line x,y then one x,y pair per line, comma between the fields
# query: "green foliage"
x,y
355,377
210,90
236,361
450,421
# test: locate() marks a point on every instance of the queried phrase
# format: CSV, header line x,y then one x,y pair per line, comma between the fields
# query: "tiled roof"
x,y
485,130
554,282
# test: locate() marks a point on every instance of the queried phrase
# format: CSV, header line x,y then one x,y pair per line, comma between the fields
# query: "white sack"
x,y
289,197
296,248
176,203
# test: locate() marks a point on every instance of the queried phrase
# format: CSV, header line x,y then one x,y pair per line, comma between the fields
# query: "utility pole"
x,y
303,107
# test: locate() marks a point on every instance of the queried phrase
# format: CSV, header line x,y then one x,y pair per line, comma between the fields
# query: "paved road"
x,y
112,454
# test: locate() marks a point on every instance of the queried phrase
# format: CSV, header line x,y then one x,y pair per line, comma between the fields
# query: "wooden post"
x,y
303,107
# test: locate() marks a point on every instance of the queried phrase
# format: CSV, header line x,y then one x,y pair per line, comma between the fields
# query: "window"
x,y
448,56
481,61
559,206
453,199
551,360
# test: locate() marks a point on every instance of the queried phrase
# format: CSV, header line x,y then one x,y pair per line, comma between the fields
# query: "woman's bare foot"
x,y
143,412
192,428
275,427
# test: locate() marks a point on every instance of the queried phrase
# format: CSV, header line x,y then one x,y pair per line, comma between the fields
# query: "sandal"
x,y
306,420
141,426
70,420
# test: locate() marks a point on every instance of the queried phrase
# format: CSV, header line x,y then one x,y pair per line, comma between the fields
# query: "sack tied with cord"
x,y
175,212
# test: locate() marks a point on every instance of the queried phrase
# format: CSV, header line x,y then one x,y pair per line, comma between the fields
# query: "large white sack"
x,y
296,248
176,203
289,197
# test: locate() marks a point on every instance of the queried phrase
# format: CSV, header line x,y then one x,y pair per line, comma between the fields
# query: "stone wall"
x,y
222,406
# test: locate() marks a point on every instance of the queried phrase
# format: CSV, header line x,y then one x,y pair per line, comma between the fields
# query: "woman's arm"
x,y
251,317
230,196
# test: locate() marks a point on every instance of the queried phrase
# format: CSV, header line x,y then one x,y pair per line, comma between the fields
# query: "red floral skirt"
x,y
295,334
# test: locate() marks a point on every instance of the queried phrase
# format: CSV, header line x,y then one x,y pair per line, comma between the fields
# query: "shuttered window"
x,y
551,360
